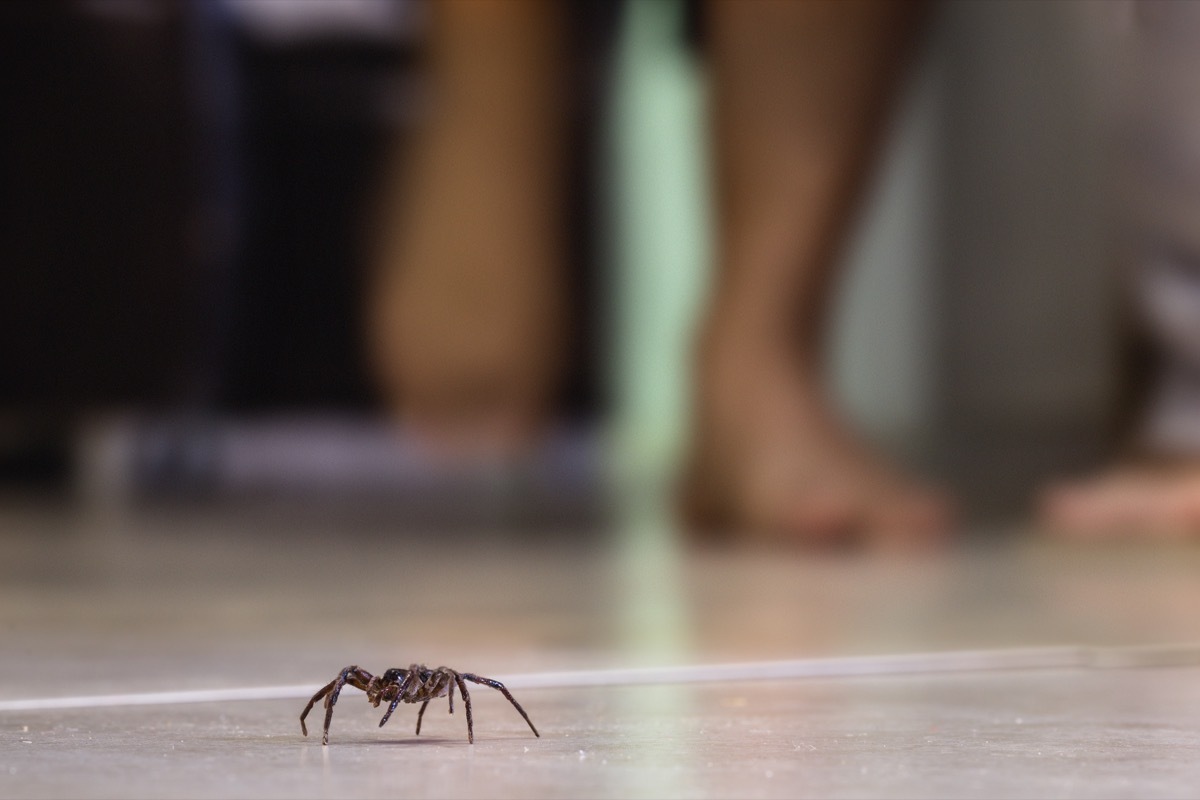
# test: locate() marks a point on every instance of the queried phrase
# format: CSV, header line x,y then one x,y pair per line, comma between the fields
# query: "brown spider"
x,y
417,684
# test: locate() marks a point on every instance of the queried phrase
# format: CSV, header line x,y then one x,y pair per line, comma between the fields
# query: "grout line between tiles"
x,y
960,661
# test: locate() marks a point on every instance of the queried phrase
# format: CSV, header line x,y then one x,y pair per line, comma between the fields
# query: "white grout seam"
x,y
1042,658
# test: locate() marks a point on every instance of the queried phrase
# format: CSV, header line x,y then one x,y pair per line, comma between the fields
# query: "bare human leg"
x,y
800,92
467,309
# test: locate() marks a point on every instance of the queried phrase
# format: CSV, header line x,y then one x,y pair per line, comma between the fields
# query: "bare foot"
x,y
1147,499
773,461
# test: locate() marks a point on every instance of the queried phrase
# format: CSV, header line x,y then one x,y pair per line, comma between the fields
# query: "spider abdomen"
x,y
421,693
422,684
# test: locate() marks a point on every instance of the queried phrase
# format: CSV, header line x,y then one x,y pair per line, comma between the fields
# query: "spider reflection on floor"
x,y
417,684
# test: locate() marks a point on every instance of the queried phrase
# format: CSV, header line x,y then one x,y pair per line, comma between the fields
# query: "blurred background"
x,y
207,480
189,197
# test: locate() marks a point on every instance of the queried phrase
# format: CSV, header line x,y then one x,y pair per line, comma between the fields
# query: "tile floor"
x,y
93,604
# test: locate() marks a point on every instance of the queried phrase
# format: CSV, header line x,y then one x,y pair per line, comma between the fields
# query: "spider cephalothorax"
x,y
417,684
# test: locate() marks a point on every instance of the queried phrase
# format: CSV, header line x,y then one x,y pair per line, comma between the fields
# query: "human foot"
x,y
1144,499
772,461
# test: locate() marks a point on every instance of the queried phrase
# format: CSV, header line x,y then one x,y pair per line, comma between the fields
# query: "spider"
x,y
417,684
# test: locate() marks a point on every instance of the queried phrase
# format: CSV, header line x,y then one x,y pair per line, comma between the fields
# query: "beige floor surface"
x,y
96,604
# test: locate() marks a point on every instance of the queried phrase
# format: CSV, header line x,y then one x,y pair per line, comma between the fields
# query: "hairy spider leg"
x,y
466,696
504,691
398,699
445,677
449,694
358,678
420,714
326,689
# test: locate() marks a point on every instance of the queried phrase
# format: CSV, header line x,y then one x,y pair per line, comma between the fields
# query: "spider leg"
x,y
498,686
326,689
443,680
420,714
397,700
466,696
358,678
